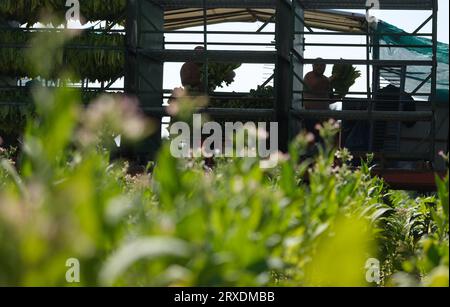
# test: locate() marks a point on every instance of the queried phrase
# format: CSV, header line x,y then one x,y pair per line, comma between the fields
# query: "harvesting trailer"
x,y
405,137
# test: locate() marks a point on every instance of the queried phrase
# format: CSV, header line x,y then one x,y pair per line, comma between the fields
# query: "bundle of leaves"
x,y
220,74
260,98
91,56
53,11
344,77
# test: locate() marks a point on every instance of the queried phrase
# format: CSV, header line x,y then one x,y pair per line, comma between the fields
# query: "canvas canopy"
x,y
176,19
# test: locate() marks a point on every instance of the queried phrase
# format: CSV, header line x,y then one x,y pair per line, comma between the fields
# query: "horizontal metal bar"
x,y
405,156
421,139
360,33
57,30
366,100
208,32
364,45
218,112
231,98
210,4
369,62
217,94
364,5
86,47
70,87
260,57
220,44
365,94
388,116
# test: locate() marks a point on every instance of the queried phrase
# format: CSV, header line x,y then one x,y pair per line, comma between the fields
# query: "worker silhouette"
x,y
191,74
191,79
318,94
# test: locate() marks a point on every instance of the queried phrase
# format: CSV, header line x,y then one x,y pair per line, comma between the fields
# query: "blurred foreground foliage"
x,y
185,225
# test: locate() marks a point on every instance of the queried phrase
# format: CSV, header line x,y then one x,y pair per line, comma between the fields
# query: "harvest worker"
x,y
318,86
193,81
191,74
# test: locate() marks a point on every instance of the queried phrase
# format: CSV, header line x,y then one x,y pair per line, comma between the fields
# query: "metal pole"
x,y
369,94
284,39
434,83
205,45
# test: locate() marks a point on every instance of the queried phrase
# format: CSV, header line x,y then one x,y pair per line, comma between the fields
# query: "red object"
x,y
409,179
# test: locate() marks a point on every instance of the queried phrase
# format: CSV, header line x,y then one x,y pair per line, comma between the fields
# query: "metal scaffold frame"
x,y
291,30
372,63
148,21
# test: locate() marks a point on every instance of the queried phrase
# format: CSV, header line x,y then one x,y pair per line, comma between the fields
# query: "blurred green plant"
x,y
306,222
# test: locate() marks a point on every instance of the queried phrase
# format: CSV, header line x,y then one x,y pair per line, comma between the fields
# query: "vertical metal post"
x,y
375,56
297,65
283,83
369,94
205,45
434,83
403,71
143,75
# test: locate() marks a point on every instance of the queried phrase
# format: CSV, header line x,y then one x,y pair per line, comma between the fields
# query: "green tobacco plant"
x,y
53,11
312,221
220,74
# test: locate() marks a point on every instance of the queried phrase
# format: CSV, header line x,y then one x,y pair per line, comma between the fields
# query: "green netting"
x,y
415,75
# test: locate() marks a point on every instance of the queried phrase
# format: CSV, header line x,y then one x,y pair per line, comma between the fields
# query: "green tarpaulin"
x,y
415,74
